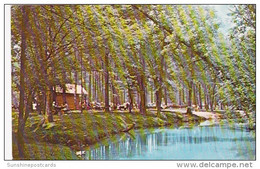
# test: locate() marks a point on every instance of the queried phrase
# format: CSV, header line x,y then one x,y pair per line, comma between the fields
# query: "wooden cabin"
x,y
73,96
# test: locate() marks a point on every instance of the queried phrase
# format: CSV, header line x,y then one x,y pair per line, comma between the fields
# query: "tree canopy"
x,y
167,49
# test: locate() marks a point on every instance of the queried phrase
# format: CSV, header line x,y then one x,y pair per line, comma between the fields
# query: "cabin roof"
x,y
70,89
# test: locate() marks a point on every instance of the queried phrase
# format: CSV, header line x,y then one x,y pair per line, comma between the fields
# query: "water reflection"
x,y
215,143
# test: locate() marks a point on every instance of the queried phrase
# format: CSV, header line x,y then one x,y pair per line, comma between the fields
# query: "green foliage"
x,y
140,48
139,44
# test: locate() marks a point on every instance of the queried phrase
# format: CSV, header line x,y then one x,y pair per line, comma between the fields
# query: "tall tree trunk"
x,y
48,96
102,87
116,100
89,87
137,99
114,97
212,98
158,94
49,100
94,86
44,96
206,98
151,90
165,96
54,93
21,122
142,105
163,70
158,100
84,86
39,102
106,75
200,101
146,94
194,94
29,101
130,97
190,93
75,91
99,86
183,96
29,107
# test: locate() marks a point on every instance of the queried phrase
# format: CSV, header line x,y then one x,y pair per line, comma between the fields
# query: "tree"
x,y
22,114
163,48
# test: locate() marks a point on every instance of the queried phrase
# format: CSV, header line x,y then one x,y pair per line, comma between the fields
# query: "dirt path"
x,y
207,115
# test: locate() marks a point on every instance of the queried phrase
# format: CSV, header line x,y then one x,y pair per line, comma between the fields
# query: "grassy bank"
x,y
71,132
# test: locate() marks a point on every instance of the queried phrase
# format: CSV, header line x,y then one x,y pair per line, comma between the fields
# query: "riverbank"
x,y
77,131
71,132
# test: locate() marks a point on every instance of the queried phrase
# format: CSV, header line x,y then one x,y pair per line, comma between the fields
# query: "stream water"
x,y
197,143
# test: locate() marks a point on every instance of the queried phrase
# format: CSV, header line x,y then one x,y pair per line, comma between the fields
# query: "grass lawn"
x,y
71,132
